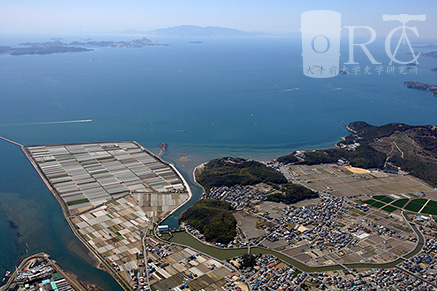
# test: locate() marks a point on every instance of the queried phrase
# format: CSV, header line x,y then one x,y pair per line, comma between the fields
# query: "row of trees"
x,y
364,156
291,193
288,159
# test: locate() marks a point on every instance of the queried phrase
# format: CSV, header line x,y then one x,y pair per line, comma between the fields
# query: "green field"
x,y
413,207
374,203
383,198
400,202
370,201
432,204
416,204
381,201
75,202
430,208
389,208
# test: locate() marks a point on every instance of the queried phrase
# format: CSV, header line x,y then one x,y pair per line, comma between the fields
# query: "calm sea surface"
x,y
224,97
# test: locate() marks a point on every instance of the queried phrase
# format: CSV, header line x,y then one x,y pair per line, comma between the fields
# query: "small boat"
x,y
7,274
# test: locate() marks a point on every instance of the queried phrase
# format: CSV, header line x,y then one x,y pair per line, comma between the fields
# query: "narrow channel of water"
x,y
224,254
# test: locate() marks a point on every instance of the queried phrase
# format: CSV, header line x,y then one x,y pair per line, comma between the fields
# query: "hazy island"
x,y
136,43
42,49
57,46
432,54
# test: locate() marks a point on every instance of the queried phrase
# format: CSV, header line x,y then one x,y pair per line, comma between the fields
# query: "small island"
x,y
422,86
162,149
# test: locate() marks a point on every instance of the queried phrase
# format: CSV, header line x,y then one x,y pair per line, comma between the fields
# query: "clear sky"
x,y
283,16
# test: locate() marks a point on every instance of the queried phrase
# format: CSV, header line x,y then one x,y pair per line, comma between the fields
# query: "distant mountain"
x,y
132,31
198,31
427,46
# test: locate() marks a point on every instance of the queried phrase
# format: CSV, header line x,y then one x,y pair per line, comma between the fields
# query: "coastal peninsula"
x,y
394,146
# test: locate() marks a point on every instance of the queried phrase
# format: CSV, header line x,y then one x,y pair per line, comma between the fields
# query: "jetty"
x,y
11,141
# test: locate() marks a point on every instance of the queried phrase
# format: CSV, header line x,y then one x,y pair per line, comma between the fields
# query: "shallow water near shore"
x,y
225,97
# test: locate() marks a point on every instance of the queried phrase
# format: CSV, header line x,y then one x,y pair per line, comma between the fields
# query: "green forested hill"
x,y
412,148
236,171
213,218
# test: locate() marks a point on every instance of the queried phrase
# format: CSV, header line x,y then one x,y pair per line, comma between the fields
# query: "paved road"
x,y
286,173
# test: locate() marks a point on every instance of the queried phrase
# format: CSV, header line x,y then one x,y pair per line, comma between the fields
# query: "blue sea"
x,y
243,97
